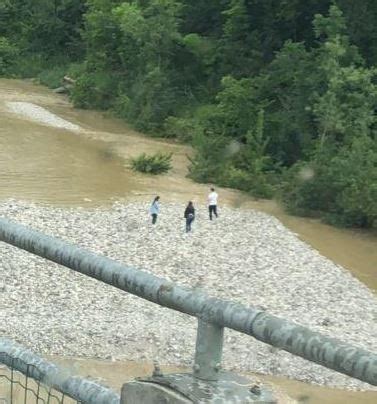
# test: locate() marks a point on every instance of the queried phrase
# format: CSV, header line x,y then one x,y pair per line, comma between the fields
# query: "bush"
x,y
181,128
94,90
152,164
29,66
258,185
152,100
52,78
76,70
210,160
122,106
298,191
341,189
8,56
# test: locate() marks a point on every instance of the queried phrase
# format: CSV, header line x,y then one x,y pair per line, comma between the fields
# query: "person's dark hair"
x,y
190,204
156,199
212,189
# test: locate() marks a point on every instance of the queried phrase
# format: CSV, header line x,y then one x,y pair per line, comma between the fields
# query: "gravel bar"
x,y
41,115
244,255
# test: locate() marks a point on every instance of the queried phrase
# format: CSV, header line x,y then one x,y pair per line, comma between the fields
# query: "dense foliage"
x,y
278,97
152,163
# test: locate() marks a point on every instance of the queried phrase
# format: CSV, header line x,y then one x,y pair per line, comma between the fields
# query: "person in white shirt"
x,y
154,210
212,203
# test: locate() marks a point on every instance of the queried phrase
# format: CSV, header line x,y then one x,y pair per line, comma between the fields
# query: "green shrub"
x,y
152,100
210,160
52,78
76,70
298,191
152,164
181,128
259,185
341,189
94,90
122,106
29,66
8,56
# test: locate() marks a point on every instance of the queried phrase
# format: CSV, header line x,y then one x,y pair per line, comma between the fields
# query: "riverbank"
x,y
246,256
48,164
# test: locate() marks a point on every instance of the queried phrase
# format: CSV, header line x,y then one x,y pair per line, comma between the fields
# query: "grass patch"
x,y
152,164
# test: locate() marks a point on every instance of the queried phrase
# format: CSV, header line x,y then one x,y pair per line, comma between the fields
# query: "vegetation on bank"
x,y
279,99
157,163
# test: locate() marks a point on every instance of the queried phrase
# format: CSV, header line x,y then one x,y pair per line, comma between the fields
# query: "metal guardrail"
x,y
45,382
213,313
17,388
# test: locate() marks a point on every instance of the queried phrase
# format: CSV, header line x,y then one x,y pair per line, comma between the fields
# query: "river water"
x,y
89,166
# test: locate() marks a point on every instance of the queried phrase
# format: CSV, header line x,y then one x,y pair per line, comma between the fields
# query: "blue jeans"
x,y
189,220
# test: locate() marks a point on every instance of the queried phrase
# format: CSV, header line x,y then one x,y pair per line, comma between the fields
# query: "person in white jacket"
x,y
154,210
212,203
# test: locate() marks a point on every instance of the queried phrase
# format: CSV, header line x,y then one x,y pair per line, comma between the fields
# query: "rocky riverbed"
x,y
245,256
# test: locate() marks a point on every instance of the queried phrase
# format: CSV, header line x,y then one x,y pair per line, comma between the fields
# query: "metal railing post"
x,y
208,351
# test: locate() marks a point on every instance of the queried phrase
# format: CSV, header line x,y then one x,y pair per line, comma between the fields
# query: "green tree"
x,y
286,88
347,107
354,173
250,168
210,160
361,26
8,55
236,106
341,186
44,26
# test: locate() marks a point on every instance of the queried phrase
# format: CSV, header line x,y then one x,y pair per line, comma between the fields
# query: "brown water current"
x,y
49,165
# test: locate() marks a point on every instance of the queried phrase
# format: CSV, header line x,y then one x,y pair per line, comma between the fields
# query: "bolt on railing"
x,y
291,337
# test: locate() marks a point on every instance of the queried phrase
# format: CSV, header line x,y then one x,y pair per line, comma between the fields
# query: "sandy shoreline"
x,y
245,256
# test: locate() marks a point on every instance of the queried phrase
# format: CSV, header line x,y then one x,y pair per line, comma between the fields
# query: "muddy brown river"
x,y
49,165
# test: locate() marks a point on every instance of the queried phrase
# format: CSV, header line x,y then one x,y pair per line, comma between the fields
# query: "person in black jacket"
x,y
189,216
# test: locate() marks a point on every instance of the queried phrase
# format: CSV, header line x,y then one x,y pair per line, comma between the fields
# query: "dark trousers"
x,y
154,218
212,209
189,220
